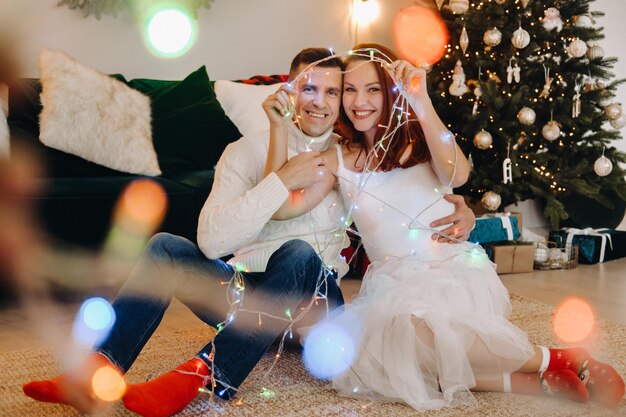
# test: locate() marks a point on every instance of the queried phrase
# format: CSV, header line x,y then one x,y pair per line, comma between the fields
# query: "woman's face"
x,y
363,98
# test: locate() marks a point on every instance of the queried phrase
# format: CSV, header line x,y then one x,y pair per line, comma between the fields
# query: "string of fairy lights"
x,y
401,112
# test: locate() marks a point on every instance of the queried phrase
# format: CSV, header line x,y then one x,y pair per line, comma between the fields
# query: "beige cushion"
x,y
91,115
242,104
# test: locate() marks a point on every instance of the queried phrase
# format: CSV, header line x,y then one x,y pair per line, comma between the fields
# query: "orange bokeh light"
x,y
143,204
420,35
108,384
573,320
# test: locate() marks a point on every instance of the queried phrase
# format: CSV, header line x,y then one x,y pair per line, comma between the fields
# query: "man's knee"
x,y
167,245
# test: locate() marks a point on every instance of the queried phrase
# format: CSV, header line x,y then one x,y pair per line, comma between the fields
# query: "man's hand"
x,y
303,170
463,221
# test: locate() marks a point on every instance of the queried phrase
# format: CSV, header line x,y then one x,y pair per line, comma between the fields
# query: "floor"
x,y
603,286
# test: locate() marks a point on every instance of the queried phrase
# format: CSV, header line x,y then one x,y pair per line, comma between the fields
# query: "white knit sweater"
x,y
236,218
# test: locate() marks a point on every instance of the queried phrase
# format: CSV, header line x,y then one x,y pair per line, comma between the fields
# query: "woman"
x,y
433,316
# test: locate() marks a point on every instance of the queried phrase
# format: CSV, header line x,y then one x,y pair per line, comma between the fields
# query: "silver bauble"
x,y
613,111
526,116
577,48
595,52
619,122
459,6
464,40
491,200
606,98
492,37
603,166
541,254
583,21
520,39
551,131
483,139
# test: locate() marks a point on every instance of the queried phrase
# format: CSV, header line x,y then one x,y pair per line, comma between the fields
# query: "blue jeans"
x,y
175,267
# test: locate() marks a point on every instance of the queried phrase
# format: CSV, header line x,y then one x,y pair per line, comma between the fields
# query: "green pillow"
x,y
189,127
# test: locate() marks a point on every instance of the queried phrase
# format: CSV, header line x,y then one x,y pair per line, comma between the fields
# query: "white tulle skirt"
x,y
427,331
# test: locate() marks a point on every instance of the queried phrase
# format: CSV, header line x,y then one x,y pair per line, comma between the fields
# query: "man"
x,y
277,269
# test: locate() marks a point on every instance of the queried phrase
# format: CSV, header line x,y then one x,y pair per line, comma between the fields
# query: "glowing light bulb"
x,y
365,11
170,32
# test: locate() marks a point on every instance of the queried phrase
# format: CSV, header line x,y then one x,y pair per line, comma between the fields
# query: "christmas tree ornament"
x,y
477,92
545,93
500,1
613,111
439,3
507,169
524,3
584,20
509,72
619,122
552,19
595,51
483,139
605,99
520,38
516,72
458,86
576,104
577,48
470,162
526,116
459,6
603,166
464,40
551,131
492,37
491,201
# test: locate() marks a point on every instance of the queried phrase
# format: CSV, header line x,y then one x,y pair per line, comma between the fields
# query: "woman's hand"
x,y
413,82
279,105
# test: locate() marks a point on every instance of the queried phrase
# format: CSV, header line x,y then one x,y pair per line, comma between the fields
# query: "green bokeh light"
x,y
170,32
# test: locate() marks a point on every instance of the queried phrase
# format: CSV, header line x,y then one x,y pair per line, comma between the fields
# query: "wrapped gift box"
x,y
594,245
496,228
511,257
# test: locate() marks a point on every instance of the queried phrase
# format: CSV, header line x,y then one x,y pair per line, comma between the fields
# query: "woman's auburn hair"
x,y
409,134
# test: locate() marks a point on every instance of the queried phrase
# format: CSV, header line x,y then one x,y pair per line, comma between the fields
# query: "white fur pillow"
x,y
242,104
91,115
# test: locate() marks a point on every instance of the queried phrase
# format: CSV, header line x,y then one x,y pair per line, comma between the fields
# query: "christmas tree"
x,y
526,88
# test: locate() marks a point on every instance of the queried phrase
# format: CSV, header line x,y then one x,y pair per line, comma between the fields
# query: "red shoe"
x,y
564,383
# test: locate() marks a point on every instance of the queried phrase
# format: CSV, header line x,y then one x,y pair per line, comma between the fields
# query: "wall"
x,y
237,38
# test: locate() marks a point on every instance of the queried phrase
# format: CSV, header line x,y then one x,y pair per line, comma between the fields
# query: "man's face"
x,y
318,99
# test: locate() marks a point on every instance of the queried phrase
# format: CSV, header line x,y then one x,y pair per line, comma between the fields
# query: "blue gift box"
x,y
495,228
594,245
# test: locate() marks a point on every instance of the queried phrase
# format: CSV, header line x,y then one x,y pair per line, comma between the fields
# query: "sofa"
x,y
189,124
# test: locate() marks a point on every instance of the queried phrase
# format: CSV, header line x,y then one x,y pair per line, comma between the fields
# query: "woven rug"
x,y
288,390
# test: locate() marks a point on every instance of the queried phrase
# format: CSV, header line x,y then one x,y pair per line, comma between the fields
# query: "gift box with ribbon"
x,y
496,227
511,257
594,245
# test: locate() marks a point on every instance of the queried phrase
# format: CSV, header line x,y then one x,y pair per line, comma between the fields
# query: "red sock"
x,y
603,382
169,393
560,383
72,387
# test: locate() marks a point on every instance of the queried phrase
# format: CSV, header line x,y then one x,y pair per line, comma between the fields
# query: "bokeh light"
x,y
94,321
108,384
328,350
573,320
142,205
420,35
170,32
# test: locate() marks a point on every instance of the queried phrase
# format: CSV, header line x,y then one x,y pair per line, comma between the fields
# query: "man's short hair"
x,y
310,55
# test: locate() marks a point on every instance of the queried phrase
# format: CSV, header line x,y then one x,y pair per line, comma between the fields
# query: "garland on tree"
x,y
98,8
522,85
